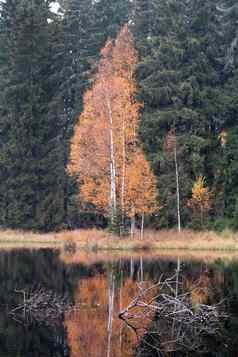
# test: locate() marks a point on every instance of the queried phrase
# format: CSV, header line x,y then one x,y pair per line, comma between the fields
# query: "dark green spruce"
x,y
31,157
187,79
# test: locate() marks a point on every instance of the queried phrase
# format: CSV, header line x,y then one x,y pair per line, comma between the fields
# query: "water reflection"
x,y
99,286
100,299
24,269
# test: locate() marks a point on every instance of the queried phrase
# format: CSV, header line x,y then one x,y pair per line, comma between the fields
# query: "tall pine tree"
x,y
181,78
30,159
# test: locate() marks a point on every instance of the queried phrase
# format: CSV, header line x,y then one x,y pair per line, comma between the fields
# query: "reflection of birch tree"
x,y
131,267
141,269
111,287
93,327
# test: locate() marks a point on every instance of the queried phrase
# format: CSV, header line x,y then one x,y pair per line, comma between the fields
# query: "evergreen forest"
x,y
185,109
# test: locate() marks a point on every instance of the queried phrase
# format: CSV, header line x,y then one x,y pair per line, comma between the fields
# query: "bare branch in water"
x,y
175,323
41,305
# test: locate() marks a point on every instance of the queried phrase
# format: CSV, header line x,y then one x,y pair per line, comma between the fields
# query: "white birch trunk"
x,y
142,226
112,162
121,303
123,179
133,224
110,313
177,189
141,269
131,267
111,194
176,293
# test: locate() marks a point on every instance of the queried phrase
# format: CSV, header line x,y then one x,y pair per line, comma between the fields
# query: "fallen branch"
x,y
40,305
165,314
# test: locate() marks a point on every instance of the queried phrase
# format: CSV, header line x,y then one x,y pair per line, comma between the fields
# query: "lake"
x,y
96,287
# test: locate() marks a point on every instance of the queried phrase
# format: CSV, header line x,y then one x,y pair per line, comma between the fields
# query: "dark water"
x,y
100,288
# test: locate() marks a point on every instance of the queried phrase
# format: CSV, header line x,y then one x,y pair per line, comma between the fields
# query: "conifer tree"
x,y
74,55
30,159
180,81
143,15
111,15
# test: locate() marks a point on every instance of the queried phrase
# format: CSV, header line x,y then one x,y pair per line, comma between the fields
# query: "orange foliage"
x,y
105,140
140,187
124,54
201,196
222,137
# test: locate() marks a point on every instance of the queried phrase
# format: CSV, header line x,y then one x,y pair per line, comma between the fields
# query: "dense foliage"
x,y
187,77
106,156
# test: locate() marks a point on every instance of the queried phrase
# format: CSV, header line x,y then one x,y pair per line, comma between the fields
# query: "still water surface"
x,y
101,287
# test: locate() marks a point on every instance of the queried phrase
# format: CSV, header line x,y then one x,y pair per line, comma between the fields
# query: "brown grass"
x,y
21,239
153,240
96,240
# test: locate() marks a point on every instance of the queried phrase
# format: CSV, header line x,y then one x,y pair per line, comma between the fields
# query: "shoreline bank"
x,y
99,240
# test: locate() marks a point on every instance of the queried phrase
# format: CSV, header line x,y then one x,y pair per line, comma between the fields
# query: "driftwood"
x,y
40,305
169,321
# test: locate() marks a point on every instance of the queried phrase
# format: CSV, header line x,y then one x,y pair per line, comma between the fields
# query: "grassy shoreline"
x,y
98,240
22,239
94,240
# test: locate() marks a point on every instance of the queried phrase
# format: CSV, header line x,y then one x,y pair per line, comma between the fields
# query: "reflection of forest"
x,y
26,270
101,288
211,284
90,322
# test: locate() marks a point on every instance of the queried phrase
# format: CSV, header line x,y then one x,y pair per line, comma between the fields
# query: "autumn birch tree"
x,y
105,148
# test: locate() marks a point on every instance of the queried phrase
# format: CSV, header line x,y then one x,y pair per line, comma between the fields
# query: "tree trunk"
x,y
121,302
110,312
66,195
133,223
131,268
141,269
177,189
112,206
142,226
176,293
112,162
123,179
